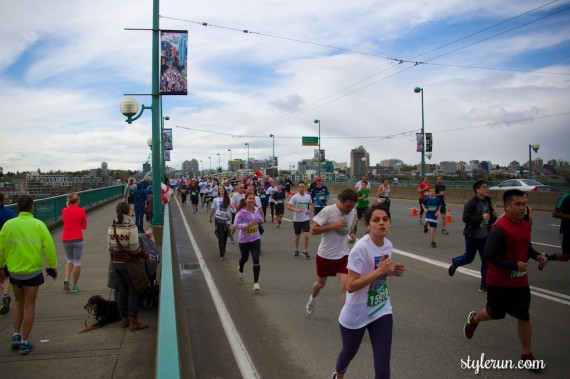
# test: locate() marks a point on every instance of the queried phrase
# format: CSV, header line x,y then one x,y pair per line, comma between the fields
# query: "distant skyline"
x,y
495,78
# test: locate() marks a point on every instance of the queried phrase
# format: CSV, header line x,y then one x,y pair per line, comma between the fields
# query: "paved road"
x,y
278,341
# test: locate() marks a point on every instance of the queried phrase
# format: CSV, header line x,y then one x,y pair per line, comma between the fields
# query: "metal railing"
x,y
49,209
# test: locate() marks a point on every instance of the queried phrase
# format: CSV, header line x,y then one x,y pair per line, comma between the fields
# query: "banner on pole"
x,y
167,155
419,142
167,138
173,62
429,142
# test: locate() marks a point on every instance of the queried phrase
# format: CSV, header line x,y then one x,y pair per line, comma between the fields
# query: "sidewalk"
x,y
60,352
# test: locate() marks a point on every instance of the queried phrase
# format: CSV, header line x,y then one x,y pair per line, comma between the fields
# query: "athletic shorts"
x,y
194,199
131,199
301,226
565,242
32,282
330,267
442,210
508,300
360,212
279,209
432,224
316,210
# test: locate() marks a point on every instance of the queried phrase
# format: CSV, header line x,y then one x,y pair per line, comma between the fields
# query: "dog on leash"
x,y
104,312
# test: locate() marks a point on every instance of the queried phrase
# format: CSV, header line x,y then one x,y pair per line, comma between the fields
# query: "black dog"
x,y
105,312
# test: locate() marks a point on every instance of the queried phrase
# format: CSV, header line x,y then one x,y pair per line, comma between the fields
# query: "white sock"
x,y
312,299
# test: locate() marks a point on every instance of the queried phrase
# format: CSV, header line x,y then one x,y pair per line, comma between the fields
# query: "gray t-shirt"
x,y
301,202
334,244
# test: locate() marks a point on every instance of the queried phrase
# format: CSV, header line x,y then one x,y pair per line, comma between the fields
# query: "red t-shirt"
x,y
424,187
74,221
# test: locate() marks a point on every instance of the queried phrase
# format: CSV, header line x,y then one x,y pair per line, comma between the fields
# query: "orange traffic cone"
x,y
448,216
414,211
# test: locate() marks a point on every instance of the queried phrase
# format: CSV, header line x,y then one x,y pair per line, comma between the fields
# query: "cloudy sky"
x,y
496,78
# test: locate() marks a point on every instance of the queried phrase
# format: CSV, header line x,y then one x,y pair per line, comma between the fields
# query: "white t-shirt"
x,y
334,244
221,212
236,198
370,302
301,202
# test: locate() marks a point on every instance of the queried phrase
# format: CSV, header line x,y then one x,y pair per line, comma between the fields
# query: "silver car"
x,y
523,185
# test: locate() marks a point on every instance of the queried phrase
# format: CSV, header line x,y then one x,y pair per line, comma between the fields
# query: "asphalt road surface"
x,y
266,334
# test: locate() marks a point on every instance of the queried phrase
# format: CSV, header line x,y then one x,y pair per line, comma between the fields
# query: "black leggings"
x,y
255,248
222,232
380,332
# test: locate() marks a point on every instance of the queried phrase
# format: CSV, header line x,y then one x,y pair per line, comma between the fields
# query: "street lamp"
x,y
273,155
247,164
201,167
210,158
418,90
229,162
428,155
319,155
534,147
219,164
364,170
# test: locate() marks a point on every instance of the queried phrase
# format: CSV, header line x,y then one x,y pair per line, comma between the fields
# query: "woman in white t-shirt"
x,y
368,305
222,213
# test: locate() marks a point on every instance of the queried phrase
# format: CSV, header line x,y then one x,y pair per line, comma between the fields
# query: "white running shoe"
x,y
310,307
256,287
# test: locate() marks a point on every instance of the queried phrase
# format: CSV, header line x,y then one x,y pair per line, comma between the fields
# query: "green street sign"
x,y
310,141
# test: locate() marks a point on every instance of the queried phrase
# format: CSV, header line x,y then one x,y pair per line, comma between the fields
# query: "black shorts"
x,y
279,209
301,226
360,212
316,210
442,210
32,282
130,199
507,300
565,242
194,200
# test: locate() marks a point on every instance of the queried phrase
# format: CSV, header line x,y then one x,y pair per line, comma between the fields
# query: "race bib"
x,y
378,296
518,274
252,230
279,201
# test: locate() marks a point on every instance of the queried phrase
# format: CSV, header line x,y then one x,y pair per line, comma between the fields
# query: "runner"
x,y
562,212
279,198
368,305
384,194
335,223
247,220
234,203
300,205
270,191
320,195
222,211
440,192
431,206
362,204
194,191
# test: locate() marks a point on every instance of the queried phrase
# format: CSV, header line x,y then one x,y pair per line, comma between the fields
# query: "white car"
x,y
523,185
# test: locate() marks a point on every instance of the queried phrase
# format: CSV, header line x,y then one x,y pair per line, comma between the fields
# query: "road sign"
x,y
310,141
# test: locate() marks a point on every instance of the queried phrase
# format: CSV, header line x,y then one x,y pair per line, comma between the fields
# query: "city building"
x,y
359,162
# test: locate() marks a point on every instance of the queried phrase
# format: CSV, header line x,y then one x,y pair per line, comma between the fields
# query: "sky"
x,y
495,78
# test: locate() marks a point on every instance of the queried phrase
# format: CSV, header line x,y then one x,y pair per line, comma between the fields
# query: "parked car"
x,y
523,185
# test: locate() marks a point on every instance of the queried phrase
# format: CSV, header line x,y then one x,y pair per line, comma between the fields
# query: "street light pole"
x,y
273,154
319,155
247,164
229,163
201,167
421,90
210,158
219,162
534,147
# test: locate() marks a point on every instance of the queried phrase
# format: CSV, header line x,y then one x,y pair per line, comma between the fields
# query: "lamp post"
x,y
219,164
247,164
210,158
229,163
421,90
534,147
273,154
201,167
364,169
319,155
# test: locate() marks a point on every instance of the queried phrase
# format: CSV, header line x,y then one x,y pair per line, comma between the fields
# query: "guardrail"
x,y
167,359
49,209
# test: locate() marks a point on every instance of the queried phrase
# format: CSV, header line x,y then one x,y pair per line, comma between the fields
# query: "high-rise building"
x,y
359,162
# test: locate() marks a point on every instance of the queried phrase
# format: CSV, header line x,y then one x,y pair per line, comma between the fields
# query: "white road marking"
x,y
244,361
540,292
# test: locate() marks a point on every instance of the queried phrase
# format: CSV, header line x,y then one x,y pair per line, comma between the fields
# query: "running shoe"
x,y
306,255
231,239
256,287
310,307
25,348
66,286
241,275
16,339
5,305
470,325
75,289
433,244
425,227
483,289
444,232
451,269
536,365
334,375
296,253
221,257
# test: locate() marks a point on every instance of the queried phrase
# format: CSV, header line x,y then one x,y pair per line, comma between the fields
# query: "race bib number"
x,y
426,193
252,230
194,193
378,296
321,197
279,201
262,196
518,274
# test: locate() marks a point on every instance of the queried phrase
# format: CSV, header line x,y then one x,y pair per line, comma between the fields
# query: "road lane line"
x,y
244,361
544,244
540,292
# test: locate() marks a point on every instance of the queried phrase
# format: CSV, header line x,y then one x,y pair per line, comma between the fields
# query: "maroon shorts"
x,y
330,267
